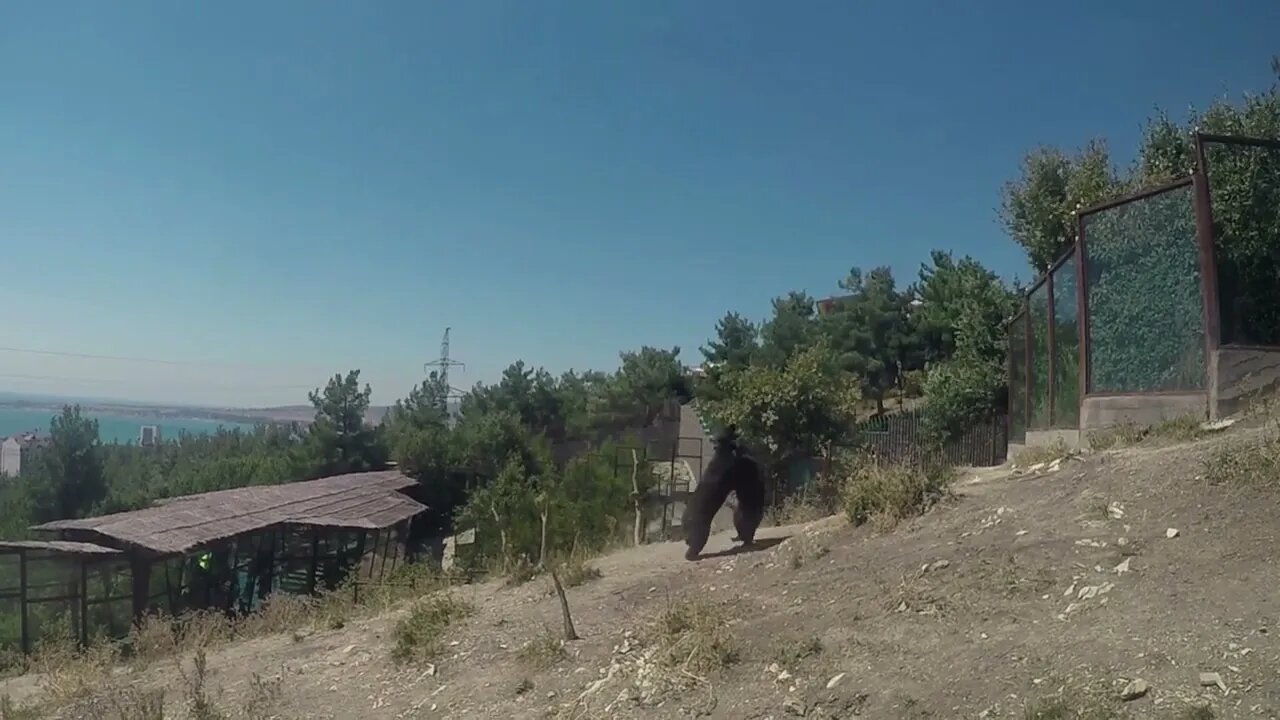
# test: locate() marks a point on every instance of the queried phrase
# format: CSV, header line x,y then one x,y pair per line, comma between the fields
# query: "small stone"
x,y
1210,679
1171,533
1123,567
939,565
791,706
1134,690
835,680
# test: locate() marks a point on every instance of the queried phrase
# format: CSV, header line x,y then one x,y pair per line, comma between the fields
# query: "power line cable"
x,y
126,358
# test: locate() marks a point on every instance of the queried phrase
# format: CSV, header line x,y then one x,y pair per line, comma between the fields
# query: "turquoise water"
x,y
111,428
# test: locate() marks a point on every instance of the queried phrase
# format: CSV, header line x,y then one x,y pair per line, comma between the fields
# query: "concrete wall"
x,y
1046,438
1239,375
1102,412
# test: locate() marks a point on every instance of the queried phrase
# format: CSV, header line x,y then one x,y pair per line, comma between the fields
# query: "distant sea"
x,y
111,428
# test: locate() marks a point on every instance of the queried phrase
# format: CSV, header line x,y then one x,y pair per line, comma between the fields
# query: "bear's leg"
x,y
695,536
746,520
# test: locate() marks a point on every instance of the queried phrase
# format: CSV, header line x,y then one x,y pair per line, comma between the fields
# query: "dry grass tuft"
x,y
1039,454
1185,428
69,674
418,634
692,635
1252,462
790,654
200,706
10,711
542,652
577,571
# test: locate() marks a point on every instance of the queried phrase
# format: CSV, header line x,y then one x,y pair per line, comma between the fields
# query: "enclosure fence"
x,y
1153,285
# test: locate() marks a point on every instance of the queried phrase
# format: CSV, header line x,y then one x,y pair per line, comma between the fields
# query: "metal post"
x,y
1082,309
1026,360
1051,360
1209,288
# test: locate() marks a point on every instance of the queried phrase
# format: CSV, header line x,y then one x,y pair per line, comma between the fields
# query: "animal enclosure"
x,y
1165,304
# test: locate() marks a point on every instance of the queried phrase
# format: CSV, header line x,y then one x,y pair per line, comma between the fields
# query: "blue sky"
x,y
267,193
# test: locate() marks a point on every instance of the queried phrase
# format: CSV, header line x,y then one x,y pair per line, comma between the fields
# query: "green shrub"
x,y
889,493
418,634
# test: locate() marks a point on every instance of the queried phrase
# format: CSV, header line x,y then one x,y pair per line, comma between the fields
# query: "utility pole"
x,y
443,363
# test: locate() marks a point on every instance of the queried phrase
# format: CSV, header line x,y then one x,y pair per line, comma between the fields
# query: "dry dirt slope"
x,y
1007,597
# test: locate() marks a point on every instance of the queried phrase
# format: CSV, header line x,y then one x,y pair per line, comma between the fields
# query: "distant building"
x,y
149,435
826,305
15,450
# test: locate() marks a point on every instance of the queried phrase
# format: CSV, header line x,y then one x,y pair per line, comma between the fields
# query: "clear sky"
x,y
266,193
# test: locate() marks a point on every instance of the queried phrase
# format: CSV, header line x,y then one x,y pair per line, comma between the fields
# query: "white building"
x,y
15,450
149,435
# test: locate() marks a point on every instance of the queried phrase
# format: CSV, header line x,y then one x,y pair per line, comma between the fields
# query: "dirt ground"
x,y
1067,584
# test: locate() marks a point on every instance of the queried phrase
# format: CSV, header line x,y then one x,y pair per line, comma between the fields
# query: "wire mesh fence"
x,y
1018,378
1065,360
1038,361
1244,182
1143,294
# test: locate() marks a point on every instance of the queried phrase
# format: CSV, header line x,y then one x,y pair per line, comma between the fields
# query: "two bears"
x,y
731,469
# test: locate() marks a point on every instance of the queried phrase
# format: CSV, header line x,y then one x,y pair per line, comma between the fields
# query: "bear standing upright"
x,y
731,469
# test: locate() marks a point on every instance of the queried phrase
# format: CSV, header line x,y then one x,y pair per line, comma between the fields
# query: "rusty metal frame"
x,y
1207,243
1209,289
1202,138
1142,194
1026,362
1082,312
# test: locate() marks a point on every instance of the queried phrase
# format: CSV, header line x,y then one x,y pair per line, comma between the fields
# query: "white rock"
x,y
1171,533
1134,690
835,680
1123,567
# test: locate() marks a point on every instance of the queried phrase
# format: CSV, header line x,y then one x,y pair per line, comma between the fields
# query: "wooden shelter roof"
x,y
369,500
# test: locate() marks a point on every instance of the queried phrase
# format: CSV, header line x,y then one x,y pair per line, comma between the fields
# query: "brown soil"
x,y
1006,597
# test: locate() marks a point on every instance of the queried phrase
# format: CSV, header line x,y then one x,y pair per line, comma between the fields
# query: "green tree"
x,y
647,379
341,439
957,299
869,332
1038,209
791,329
792,411
73,481
736,344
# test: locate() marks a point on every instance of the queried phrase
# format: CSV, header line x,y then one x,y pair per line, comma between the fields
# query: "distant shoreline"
x,y
246,417
300,414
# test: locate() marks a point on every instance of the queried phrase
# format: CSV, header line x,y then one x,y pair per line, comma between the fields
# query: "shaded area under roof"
x,y
369,501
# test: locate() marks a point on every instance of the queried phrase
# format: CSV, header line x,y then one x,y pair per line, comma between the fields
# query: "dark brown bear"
x,y
731,470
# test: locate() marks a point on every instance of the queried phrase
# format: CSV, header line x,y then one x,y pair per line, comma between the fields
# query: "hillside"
x,y
1052,591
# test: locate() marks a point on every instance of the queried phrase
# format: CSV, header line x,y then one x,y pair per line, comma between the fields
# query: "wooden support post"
x,y
84,604
569,632
140,585
315,558
23,590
